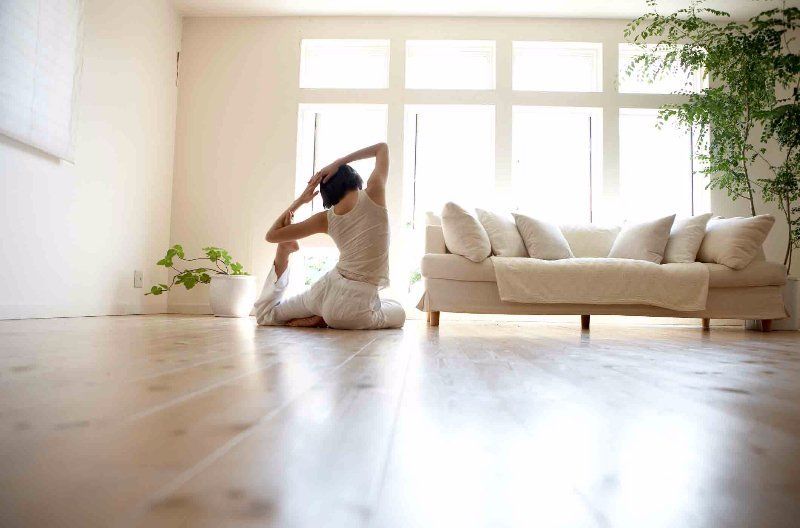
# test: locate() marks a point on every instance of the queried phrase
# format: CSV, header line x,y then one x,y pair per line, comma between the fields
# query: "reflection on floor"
x,y
196,421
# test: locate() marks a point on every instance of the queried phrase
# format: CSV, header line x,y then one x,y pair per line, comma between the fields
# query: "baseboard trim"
x,y
47,311
189,309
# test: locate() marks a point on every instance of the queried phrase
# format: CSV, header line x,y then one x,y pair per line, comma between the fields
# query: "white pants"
x,y
342,303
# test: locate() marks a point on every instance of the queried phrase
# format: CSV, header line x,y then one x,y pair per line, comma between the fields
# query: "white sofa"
x,y
456,284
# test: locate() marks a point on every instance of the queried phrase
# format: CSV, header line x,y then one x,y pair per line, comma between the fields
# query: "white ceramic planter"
x,y
232,295
791,298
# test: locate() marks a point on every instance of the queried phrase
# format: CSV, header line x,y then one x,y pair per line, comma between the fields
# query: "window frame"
x,y
595,48
452,43
305,76
626,52
697,188
595,115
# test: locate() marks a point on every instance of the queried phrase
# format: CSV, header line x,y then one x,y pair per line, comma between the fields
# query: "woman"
x,y
357,220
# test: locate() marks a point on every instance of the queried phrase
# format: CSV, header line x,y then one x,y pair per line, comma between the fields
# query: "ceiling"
x,y
490,8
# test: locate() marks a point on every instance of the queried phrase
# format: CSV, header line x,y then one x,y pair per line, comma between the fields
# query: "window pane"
x,y
655,166
671,81
449,157
558,66
328,132
308,265
450,64
554,159
338,63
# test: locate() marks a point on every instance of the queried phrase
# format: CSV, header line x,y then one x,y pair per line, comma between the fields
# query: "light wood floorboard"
x,y
195,421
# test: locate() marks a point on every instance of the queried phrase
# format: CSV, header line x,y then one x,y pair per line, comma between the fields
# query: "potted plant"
x,y
233,290
752,101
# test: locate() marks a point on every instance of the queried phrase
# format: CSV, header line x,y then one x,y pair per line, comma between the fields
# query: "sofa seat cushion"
x,y
456,267
758,273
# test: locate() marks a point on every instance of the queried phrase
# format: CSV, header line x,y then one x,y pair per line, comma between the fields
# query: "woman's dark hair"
x,y
345,180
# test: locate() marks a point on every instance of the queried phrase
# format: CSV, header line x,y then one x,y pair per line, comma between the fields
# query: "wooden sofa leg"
x,y
433,318
585,321
706,323
766,325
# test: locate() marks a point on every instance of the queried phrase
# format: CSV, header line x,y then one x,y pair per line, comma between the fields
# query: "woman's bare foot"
x,y
282,255
314,321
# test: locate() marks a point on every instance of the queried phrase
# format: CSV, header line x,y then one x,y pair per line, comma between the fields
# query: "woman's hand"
x,y
326,173
309,193
287,218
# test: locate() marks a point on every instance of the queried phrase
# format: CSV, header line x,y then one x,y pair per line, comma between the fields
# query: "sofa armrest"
x,y
434,240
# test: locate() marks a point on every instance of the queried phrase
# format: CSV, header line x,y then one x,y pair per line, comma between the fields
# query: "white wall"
x,y
72,234
237,119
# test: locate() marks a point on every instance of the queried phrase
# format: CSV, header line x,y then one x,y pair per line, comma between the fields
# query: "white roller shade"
x,y
40,44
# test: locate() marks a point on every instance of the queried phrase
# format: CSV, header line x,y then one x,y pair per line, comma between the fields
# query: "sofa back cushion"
x,y
685,238
543,240
645,241
503,234
463,234
735,242
589,240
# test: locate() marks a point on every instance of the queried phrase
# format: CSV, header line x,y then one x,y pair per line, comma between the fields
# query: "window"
x,y
40,62
557,161
656,168
449,156
339,63
671,81
327,132
558,66
315,258
450,64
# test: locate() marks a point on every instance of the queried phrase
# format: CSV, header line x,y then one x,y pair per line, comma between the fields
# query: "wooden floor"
x,y
194,421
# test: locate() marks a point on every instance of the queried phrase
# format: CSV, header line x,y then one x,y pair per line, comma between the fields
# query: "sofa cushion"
x,y
645,241
685,238
758,273
456,267
543,240
503,234
589,240
463,234
734,242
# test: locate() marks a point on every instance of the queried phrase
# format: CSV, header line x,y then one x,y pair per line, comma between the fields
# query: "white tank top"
x,y
362,236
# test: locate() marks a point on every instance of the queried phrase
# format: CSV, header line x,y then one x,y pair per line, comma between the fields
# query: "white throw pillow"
x,y
503,234
735,242
542,239
685,238
645,241
463,234
432,219
590,240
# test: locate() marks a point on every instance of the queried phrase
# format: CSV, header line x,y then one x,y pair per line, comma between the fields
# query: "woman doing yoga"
x,y
357,221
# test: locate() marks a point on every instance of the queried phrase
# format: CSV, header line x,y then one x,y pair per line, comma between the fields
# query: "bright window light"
x,y
449,156
656,165
341,63
558,66
557,161
450,64
671,81
329,131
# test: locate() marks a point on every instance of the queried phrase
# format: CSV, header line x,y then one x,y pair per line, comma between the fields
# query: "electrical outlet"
x,y
138,279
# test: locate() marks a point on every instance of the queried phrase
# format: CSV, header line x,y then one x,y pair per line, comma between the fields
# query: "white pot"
x,y
232,295
791,298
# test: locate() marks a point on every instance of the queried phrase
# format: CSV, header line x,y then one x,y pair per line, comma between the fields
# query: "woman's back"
x,y
362,236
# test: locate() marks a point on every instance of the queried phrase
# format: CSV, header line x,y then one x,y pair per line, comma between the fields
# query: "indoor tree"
x,y
752,101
